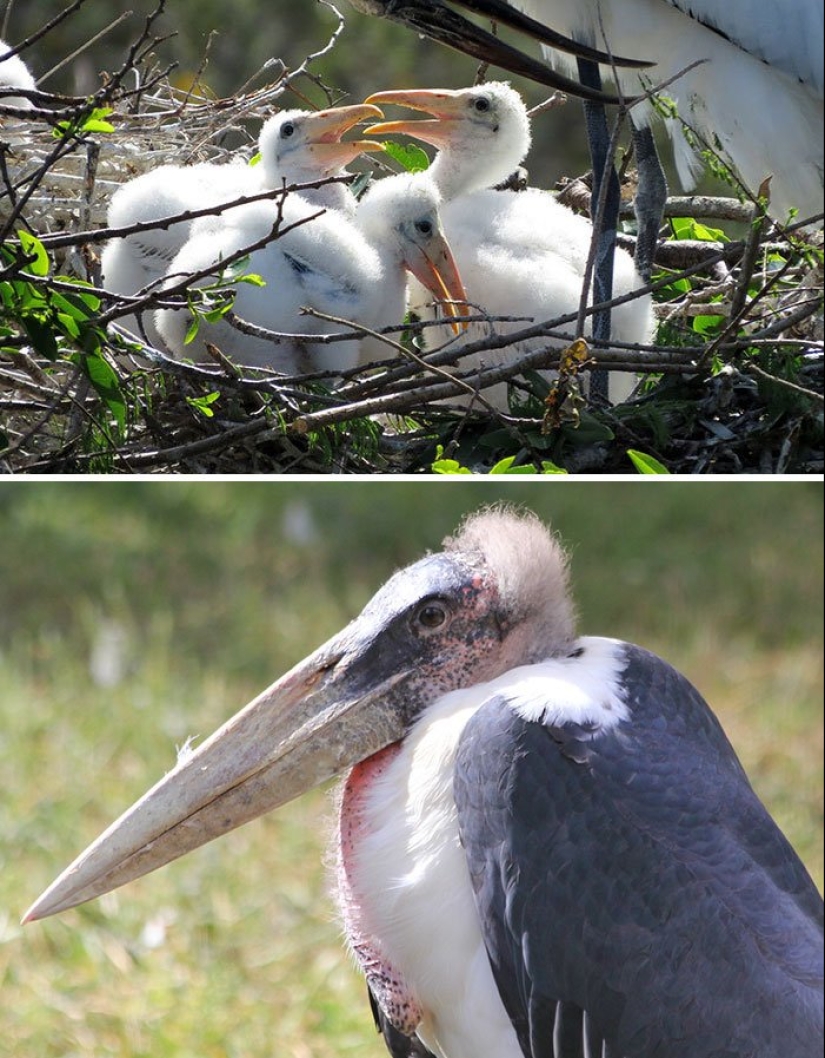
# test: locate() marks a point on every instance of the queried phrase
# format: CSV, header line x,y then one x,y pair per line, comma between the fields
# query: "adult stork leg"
x,y
649,204
598,138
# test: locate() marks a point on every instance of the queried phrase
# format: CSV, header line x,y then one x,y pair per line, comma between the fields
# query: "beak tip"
x,y
35,912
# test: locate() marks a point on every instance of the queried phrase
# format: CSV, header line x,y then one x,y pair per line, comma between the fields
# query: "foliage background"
x,y
133,615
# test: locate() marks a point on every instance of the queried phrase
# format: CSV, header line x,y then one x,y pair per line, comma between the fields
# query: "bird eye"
x,y
431,616
481,104
424,227
287,129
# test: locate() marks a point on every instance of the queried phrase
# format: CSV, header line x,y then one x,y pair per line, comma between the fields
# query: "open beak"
x,y
445,107
325,130
434,19
435,268
331,711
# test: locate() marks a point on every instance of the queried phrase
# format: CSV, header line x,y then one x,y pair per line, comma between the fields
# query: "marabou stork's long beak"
x,y
331,711
434,19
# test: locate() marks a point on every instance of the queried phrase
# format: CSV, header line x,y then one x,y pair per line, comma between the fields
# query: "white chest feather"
x,y
404,888
406,895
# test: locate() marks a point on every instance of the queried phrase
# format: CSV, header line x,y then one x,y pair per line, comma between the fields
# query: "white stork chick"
x,y
519,254
295,146
353,270
14,73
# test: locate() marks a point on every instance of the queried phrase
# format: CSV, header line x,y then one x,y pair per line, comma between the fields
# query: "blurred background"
x,y
136,615
239,39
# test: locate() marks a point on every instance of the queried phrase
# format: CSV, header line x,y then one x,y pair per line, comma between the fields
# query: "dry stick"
x,y
79,51
759,220
407,353
752,369
61,148
426,393
710,207
47,27
51,411
738,319
138,303
60,240
137,460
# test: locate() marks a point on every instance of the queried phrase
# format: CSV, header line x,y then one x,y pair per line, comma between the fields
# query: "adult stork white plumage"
x,y
519,254
295,147
547,846
352,269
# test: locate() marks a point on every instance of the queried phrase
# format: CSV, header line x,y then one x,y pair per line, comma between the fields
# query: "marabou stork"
x,y
350,268
547,845
757,91
295,147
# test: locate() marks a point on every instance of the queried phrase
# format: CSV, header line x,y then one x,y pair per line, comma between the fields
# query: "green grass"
x,y
210,593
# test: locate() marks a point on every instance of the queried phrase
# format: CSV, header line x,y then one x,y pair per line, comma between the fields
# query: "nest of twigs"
x,y
741,394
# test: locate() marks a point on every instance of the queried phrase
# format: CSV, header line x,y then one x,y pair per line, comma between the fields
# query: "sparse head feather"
x,y
529,568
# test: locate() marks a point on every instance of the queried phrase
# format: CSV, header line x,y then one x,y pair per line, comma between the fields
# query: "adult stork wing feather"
x,y
440,23
719,937
786,34
506,14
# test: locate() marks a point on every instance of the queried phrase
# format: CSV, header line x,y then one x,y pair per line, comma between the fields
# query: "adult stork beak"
x,y
325,129
332,710
445,106
434,19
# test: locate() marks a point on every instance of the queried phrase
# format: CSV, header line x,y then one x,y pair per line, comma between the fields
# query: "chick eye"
x,y
431,616
424,227
287,130
481,104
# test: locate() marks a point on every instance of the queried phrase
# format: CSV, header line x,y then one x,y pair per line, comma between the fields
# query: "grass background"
x,y
133,615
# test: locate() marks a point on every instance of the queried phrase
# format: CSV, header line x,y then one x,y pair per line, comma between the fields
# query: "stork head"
x,y
401,212
300,146
494,598
483,131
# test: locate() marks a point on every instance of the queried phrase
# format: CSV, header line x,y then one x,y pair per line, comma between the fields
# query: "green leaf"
x,y
42,336
203,404
33,247
505,466
69,324
449,466
107,385
94,125
93,121
707,324
192,330
82,300
408,155
690,228
646,464
252,278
